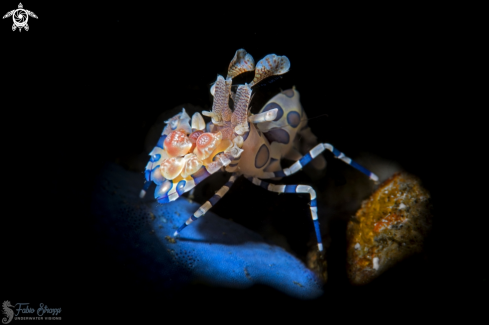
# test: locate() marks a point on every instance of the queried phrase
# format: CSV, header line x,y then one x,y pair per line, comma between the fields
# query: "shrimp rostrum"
x,y
235,141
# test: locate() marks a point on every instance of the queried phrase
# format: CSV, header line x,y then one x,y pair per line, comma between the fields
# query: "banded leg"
x,y
295,189
145,189
313,153
208,204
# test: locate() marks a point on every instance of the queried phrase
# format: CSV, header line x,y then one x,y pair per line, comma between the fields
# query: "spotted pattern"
x,y
161,191
155,157
294,119
289,93
270,106
262,156
181,187
161,141
277,135
156,175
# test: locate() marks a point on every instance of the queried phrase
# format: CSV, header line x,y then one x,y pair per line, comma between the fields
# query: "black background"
x,y
85,83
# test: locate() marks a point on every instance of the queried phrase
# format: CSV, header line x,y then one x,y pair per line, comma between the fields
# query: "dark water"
x,y
87,89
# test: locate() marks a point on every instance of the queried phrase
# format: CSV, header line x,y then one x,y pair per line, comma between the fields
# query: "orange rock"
x,y
390,226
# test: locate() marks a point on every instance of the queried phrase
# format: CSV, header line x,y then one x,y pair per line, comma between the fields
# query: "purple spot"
x,y
289,93
262,156
270,106
277,135
293,118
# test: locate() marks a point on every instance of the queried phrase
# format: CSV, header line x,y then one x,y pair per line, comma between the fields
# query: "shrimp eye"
x,y
177,144
206,143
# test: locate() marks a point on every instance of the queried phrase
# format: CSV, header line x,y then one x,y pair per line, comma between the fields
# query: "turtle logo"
x,y
20,17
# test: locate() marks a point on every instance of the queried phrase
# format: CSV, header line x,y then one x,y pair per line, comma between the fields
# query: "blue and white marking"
x,y
208,204
313,153
295,189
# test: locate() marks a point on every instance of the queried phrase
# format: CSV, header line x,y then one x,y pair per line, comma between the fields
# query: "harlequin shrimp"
x,y
235,141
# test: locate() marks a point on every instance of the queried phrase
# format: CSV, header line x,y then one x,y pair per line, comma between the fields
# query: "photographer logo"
x,y
23,311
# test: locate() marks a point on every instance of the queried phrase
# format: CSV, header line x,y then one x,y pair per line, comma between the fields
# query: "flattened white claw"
x,y
198,122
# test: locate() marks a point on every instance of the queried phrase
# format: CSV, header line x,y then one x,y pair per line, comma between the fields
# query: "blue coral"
x,y
212,250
